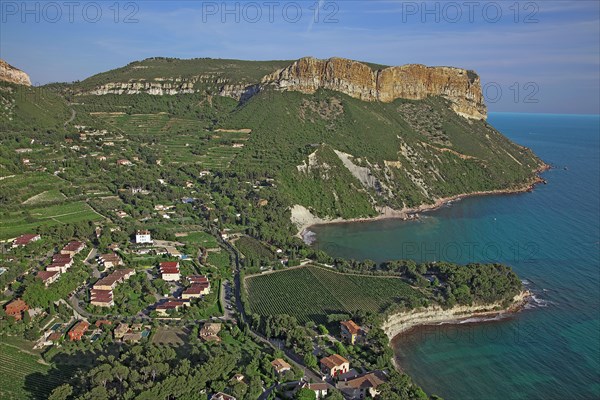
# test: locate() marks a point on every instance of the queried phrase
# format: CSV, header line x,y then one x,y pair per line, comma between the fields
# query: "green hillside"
x,y
410,152
24,108
333,154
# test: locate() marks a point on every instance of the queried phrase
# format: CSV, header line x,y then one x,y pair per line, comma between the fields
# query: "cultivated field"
x,y
311,293
23,376
14,223
25,187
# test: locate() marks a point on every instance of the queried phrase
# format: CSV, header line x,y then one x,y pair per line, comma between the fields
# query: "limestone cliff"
x,y
358,80
398,323
156,87
8,73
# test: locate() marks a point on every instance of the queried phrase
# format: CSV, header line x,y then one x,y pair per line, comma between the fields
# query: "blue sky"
x,y
545,57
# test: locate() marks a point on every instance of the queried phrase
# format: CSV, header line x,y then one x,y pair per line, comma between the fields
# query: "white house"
x,y
142,236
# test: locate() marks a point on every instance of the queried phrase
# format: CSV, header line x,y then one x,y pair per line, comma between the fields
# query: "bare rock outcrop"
x,y
413,81
157,88
8,73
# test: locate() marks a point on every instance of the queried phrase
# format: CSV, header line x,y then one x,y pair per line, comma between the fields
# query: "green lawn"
x,y
14,223
311,293
219,259
201,238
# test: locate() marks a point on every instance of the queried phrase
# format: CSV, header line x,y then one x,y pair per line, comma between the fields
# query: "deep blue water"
x,y
550,237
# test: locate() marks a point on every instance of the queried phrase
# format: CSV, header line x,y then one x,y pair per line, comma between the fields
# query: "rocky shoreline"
x,y
304,219
400,323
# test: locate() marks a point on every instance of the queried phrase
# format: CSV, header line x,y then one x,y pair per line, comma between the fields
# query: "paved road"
x,y
308,373
228,308
91,261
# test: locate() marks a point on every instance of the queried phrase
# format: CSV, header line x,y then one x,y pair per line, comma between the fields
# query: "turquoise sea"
x,y
551,237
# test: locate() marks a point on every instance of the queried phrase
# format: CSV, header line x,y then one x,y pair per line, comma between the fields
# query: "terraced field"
x,y
311,293
180,140
22,376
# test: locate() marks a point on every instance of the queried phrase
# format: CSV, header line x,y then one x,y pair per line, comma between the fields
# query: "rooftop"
x,y
26,238
73,246
351,326
45,275
334,360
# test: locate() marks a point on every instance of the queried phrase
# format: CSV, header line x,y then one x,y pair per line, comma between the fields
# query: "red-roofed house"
x,y
48,277
73,248
25,239
197,279
363,386
16,308
170,271
171,304
62,258
77,331
196,290
350,331
334,365
101,294
61,267
102,298
110,282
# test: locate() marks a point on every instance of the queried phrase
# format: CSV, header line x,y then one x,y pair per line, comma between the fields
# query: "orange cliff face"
x,y
461,87
8,73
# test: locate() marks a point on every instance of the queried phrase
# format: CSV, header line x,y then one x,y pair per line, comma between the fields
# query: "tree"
x,y
62,392
323,330
341,349
305,394
310,360
334,394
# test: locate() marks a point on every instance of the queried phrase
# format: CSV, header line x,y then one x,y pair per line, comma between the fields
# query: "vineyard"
x,y
254,251
311,293
23,376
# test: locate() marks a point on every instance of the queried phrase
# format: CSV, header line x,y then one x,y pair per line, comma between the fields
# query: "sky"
x,y
532,56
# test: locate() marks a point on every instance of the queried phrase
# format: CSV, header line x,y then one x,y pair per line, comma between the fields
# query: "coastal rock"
x,y
398,323
414,81
8,73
